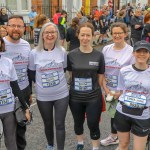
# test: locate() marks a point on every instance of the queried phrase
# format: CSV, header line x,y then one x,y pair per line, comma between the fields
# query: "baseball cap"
x,y
141,45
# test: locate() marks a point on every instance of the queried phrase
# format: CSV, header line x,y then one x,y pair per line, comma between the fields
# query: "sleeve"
x,y
13,74
32,65
101,69
121,83
18,93
69,66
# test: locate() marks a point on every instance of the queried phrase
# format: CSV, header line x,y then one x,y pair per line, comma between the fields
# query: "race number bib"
x,y
112,80
83,84
50,80
135,100
21,73
5,97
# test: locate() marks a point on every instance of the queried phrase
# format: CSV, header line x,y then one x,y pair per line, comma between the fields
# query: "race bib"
x,y
112,80
5,97
83,84
21,73
50,80
135,100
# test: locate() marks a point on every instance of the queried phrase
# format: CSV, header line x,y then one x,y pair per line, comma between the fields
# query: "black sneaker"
x,y
80,147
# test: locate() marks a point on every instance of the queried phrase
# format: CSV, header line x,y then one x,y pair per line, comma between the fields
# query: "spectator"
x,y
136,26
120,16
3,16
146,29
71,34
39,21
3,31
48,61
82,11
62,26
56,16
82,19
32,15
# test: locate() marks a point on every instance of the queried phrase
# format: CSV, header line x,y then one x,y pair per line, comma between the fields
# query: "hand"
x,y
30,99
107,91
28,115
137,26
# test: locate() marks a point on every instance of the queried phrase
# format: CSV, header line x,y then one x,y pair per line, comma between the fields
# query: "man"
x,y
136,26
56,16
32,15
18,50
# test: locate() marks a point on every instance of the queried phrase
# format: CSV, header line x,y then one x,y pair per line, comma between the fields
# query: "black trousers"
x,y
20,131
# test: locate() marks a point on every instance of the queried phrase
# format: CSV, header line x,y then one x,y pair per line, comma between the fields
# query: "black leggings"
x,y
60,110
113,129
93,113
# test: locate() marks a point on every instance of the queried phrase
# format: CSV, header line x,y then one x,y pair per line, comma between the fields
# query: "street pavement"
x,y
36,139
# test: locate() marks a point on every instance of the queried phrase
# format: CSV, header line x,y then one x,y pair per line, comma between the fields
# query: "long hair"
x,y
2,45
41,42
39,20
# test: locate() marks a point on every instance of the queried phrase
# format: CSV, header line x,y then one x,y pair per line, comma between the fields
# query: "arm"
x,y
18,93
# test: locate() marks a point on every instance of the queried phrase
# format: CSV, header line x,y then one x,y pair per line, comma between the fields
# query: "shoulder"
x,y
126,69
129,48
73,52
7,60
107,48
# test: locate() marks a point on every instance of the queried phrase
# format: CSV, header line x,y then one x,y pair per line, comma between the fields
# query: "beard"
x,y
15,38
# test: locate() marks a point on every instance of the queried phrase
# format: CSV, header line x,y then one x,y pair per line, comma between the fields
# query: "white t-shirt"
x,y
7,74
19,53
50,78
114,61
136,90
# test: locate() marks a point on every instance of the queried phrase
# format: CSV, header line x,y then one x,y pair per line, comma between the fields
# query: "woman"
x,y
146,29
71,34
86,67
133,109
3,31
39,21
9,89
48,60
3,16
117,55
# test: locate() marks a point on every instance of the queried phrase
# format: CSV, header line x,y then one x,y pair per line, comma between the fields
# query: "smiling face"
x,y
141,56
50,35
118,35
3,32
15,28
85,36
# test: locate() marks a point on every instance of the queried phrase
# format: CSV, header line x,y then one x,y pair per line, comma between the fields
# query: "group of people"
x,y
120,73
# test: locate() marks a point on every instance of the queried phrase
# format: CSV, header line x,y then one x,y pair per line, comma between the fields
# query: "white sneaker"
x,y
109,141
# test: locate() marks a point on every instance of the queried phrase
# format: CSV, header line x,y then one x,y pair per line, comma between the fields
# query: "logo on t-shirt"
x,y
92,63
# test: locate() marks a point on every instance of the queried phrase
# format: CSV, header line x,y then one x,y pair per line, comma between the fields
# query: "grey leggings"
x,y
60,109
9,128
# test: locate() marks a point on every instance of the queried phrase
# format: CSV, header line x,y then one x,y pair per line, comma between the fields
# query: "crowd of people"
x,y
118,76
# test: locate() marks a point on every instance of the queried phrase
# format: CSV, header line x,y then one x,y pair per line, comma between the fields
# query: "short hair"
x,y
87,24
15,17
147,17
41,43
2,47
63,12
122,25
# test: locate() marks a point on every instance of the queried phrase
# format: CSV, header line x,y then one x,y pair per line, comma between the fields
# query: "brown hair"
x,y
122,25
39,20
2,46
15,17
87,24
147,17
75,23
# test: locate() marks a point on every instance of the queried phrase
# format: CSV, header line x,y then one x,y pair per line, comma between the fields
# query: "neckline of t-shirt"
x,y
120,49
85,53
50,50
138,70
12,42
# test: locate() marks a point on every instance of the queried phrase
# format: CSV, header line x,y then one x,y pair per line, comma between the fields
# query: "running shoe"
x,y
80,147
109,141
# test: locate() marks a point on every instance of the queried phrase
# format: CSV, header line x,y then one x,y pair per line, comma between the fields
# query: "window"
x,y
12,4
24,4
